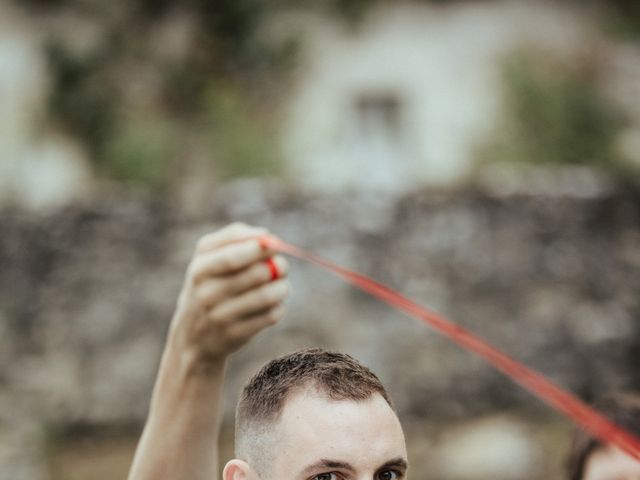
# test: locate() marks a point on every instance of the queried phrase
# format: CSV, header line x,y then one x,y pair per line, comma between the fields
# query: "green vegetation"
x,y
556,114
243,136
141,152
138,141
228,84
225,89
81,100
624,19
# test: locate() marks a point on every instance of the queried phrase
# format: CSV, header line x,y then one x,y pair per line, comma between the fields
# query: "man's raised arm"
x,y
229,295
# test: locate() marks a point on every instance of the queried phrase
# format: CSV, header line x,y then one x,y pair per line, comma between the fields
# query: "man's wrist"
x,y
190,363
197,366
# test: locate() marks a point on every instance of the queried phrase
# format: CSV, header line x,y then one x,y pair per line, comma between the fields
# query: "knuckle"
x,y
273,317
246,280
274,293
262,297
225,288
208,294
229,262
282,289
199,297
216,316
199,272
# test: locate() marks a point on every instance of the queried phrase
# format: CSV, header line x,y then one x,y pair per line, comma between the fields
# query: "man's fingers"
x,y
257,274
214,290
252,325
228,259
252,302
230,234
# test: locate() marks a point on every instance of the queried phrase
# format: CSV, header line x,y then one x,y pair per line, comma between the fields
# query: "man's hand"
x,y
228,294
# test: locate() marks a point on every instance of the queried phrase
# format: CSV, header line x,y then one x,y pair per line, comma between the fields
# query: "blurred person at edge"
x,y
590,459
310,415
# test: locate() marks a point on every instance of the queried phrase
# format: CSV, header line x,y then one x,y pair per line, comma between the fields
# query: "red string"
x,y
563,401
273,269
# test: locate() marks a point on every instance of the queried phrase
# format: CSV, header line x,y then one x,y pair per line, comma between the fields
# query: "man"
x,y
311,415
590,459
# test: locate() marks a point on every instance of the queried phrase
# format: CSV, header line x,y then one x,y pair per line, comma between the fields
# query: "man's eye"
x,y
326,476
388,475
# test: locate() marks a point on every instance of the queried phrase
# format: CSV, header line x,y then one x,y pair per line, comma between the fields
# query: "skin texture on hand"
x,y
227,297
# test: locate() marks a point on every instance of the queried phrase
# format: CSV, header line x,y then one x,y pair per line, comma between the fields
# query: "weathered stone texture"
x,y
87,294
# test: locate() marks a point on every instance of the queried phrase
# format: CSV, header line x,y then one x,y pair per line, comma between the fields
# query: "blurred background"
x,y
482,157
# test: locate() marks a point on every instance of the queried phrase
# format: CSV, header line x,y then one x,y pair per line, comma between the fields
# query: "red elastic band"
x,y
562,401
273,268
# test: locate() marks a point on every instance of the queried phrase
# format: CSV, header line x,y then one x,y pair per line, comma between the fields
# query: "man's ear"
x,y
238,470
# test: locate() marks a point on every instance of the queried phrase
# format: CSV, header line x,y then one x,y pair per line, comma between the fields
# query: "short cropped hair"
x,y
336,375
621,409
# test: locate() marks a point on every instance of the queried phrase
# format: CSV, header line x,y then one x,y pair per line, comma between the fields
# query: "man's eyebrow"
x,y
398,462
328,463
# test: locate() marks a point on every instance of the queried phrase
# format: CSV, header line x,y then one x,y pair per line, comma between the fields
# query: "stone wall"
x,y
86,296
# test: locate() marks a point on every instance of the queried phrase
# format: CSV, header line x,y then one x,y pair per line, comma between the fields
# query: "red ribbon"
x,y
572,407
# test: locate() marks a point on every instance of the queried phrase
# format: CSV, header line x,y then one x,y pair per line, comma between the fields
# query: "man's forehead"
x,y
310,394
311,403
328,426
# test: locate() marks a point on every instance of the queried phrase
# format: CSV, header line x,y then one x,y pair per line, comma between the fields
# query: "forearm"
x,y
180,439
229,295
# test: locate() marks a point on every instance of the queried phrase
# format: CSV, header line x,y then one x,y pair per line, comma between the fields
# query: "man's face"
x,y
610,463
323,439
